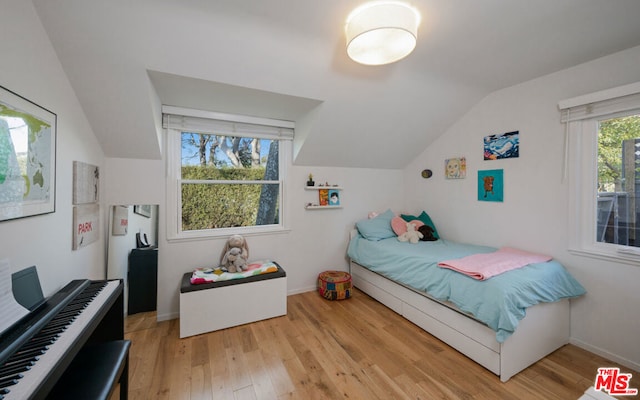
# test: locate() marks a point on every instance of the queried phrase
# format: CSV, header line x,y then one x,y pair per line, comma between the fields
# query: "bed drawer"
x,y
483,355
454,319
375,286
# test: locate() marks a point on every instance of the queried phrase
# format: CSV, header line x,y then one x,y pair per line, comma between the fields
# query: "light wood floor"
x,y
350,349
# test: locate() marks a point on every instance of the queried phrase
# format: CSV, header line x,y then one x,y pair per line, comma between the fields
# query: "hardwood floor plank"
x,y
382,385
238,368
349,349
277,370
200,382
245,393
262,384
300,379
180,379
220,376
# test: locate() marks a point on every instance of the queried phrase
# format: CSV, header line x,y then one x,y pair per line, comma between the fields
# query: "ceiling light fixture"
x,y
381,32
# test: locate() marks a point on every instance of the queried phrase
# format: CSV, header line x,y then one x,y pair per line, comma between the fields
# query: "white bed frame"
x,y
542,331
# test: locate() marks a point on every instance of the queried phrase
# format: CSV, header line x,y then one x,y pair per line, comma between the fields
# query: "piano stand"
x,y
95,372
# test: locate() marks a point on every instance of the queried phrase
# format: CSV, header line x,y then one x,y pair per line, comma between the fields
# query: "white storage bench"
x,y
212,306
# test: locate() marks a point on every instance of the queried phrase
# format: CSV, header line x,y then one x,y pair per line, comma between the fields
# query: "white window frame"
x,y
581,116
174,182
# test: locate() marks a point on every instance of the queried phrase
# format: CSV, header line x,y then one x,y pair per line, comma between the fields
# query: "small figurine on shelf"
x,y
310,182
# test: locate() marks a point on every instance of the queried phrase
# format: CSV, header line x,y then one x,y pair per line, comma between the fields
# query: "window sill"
x,y
225,233
630,258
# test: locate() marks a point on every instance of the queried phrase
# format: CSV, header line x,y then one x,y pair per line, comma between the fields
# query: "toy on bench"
x,y
235,254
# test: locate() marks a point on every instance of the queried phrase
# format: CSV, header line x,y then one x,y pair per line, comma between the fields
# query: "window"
x,y
226,173
618,181
603,165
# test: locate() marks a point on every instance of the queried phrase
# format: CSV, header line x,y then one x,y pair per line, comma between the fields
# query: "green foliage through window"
x,y
618,211
229,181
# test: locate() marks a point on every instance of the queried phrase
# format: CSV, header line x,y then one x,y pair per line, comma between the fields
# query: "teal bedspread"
x,y
500,301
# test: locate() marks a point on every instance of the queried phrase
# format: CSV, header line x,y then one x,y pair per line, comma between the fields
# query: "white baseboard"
x,y
603,353
302,290
167,317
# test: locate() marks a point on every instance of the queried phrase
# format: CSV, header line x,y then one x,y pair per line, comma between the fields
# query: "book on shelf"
x,y
334,197
323,197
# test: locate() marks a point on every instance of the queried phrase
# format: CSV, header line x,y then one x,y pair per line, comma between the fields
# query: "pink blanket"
x,y
484,266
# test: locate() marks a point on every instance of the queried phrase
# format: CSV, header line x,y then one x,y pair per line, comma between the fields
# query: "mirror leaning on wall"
x,y
132,243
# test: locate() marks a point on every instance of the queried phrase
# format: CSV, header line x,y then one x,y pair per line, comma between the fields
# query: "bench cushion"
x,y
186,285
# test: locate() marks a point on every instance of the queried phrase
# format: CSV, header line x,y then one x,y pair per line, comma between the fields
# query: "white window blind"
x,y
188,120
606,102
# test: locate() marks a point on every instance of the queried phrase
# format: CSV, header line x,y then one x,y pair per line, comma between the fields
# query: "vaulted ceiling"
x,y
287,60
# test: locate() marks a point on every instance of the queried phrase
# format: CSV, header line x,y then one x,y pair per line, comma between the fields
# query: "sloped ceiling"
x,y
286,60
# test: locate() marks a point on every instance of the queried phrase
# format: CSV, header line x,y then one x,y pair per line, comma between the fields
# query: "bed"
x,y
504,323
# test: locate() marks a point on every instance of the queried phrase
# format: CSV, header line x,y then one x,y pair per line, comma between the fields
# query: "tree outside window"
x,y
618,212
228,181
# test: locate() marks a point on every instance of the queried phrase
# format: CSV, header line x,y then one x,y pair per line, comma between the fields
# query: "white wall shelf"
x,y
315,205
320,207
322,187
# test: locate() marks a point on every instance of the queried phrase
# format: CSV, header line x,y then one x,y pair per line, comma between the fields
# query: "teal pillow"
x,y
424,217
377,228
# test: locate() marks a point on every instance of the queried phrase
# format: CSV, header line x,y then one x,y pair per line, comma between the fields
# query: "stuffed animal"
x,y
411,235
427,233
233,260
237,242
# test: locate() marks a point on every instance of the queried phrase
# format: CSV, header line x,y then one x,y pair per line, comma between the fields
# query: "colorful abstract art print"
x,y
455,168
491,185
506,145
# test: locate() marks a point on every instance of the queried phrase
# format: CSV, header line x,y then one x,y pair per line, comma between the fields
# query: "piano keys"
x,y
37,351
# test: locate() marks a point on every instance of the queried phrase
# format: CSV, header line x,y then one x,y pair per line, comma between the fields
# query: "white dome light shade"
x,y
382,32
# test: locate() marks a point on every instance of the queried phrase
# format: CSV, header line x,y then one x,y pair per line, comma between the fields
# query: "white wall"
x,y
533,214
316,242
30,68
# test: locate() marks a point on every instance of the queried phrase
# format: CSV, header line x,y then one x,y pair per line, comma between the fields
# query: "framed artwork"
x,y
323,197
491,185
506,145
86,183
455,168
120,223
86,229
334,197
143,209
27,157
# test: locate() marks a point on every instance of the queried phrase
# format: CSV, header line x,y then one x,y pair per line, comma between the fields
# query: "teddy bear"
x,y
411,235
239,256
233,260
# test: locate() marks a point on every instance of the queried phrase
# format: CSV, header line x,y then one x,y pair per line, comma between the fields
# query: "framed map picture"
x,y
27,157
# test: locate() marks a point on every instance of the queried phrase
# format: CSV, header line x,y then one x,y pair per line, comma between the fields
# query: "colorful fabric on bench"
x,y
208,275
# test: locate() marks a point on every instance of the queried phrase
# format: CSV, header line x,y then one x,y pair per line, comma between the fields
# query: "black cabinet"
x,y
143,280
